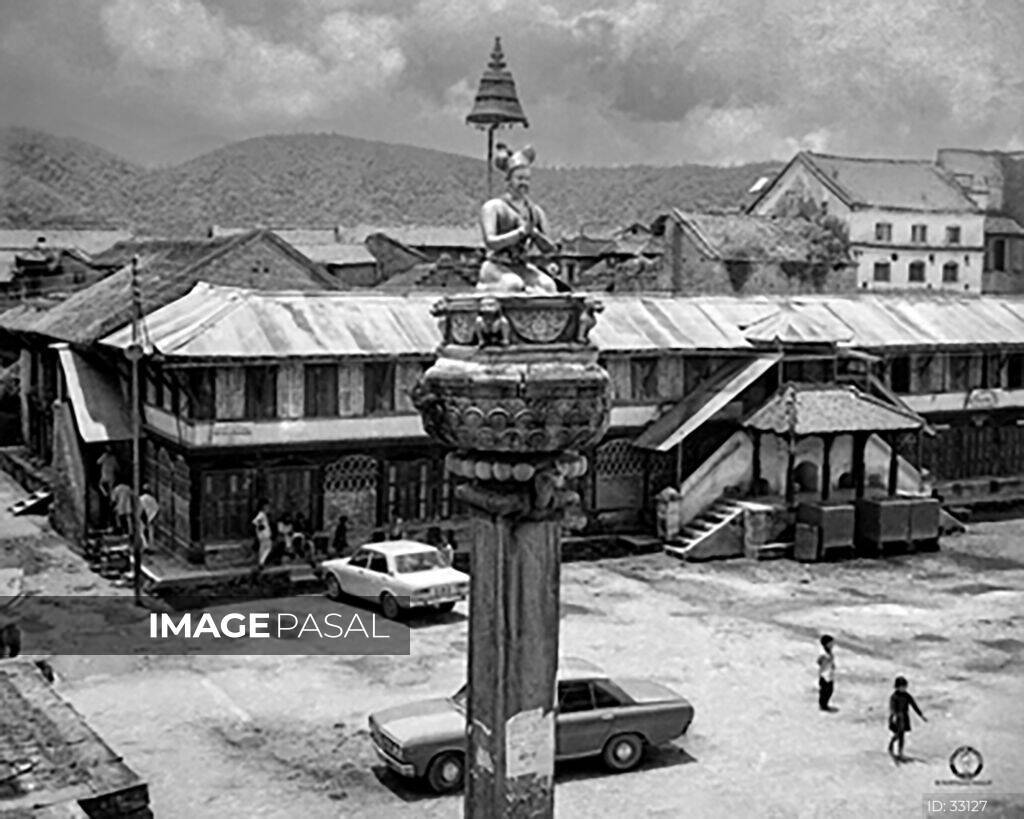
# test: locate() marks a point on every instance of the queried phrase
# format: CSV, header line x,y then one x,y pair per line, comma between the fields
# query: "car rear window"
x,y
416,562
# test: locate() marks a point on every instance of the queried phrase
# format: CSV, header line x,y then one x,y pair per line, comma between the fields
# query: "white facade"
x,y
894,248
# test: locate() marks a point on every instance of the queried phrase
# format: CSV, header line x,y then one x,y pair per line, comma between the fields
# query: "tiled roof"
x,y
337,253
1003,225
811,409
418,236
91,241
740,236
168,269
890,183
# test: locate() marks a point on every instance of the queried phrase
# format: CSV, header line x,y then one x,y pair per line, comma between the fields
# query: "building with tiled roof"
x,y
995,181
910,224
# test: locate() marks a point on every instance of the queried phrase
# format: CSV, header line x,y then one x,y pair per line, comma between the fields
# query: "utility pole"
x,y
518,398
496,104
134,355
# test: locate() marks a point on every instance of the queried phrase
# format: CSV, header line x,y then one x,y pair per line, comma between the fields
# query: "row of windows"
x,y
918,233
916,272
259,397
924,374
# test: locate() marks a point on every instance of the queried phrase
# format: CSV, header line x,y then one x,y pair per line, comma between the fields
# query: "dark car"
x,y
614,719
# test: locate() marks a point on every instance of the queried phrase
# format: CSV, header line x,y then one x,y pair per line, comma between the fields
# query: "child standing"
x,y
900,704
826,672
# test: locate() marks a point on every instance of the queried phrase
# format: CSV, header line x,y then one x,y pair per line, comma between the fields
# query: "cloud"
x,y
607,81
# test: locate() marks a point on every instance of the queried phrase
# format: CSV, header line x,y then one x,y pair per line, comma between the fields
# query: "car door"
x,y
377,575
581,730
353,575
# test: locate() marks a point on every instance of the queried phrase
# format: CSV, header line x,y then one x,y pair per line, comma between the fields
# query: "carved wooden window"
x,y
260,392
899,374
321,390
202,385
959,373
379,387
644,378
1015,371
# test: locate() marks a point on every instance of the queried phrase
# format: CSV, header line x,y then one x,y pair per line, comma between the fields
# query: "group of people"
x,y
290,536
119,500
901,701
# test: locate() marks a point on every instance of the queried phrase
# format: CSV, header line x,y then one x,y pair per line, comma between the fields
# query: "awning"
x,y
689,414
96,402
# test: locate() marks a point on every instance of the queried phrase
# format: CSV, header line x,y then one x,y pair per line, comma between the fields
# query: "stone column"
x,y
517,392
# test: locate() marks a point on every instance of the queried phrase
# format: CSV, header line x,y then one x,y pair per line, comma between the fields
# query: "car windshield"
x,y
416,562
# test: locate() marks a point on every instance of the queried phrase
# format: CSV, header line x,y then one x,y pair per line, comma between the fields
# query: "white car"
x,y
400,574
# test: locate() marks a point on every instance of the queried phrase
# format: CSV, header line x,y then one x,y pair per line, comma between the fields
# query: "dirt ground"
x,y
286,736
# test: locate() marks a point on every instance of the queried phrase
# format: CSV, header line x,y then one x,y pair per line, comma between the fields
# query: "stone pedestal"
x,y
518,393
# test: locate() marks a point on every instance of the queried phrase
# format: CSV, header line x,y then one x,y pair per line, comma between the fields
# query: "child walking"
x,y
826,672
900,704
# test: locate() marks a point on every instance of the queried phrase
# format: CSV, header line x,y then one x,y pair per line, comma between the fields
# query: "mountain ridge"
x,y
324,179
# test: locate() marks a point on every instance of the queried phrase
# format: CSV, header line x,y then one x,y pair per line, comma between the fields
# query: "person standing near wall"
x,y
264,534
149,508
121,497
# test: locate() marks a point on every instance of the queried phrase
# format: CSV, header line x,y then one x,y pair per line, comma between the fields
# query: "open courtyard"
x,y
286,736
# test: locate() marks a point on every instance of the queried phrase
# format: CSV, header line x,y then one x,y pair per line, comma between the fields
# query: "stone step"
x,y
228,555
774,551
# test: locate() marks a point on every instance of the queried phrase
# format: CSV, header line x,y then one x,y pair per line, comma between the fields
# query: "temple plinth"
x,y
517,393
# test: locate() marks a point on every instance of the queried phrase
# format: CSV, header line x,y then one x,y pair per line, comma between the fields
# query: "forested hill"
x,y
319,180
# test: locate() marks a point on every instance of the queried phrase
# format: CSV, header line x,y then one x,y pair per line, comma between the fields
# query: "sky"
x,y
603,82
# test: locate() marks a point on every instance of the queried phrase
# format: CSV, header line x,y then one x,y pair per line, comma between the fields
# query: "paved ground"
x,y
285,736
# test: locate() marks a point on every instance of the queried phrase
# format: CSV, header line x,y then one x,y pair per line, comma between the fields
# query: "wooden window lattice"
x,y
350,474
617,458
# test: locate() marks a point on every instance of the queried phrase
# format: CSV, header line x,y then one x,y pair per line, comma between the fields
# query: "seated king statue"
x,y
513,226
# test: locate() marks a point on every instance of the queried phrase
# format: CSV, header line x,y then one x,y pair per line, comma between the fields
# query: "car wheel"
x,y
444,608
623,752
333,586
390,606
446,772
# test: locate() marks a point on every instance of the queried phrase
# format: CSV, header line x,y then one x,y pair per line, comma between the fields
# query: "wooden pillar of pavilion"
x,y
860,440
755,481
826,467
894,462
790,469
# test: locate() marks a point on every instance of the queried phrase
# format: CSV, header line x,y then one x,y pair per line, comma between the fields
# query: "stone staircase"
x,y
716,532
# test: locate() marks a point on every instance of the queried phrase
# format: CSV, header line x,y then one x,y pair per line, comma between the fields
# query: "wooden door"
x,y
290,489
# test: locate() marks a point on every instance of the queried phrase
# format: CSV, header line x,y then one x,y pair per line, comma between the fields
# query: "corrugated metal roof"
x,y
894,183
215,320
807,324
886,321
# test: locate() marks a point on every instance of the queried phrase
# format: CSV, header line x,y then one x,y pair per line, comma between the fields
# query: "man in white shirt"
x,y
264,535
